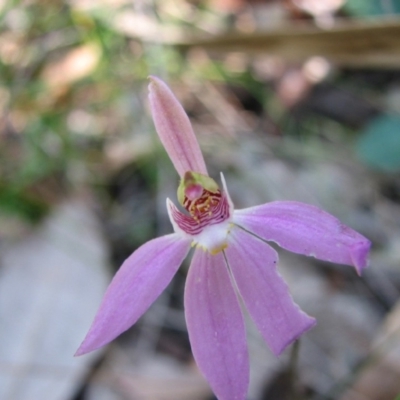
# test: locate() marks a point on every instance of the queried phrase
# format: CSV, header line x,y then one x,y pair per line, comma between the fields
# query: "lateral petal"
x,y
216,327
174,129
306,229
139,281
264,292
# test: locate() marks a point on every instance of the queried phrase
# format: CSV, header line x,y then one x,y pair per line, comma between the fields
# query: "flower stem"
x,y
293,372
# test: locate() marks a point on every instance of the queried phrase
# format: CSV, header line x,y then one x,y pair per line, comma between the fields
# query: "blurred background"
x,y
292,99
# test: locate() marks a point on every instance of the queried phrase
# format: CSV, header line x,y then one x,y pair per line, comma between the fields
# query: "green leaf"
x,y
17,203
372,8
379,144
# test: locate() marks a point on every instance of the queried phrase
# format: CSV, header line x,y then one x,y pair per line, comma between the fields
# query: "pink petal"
x,y
139,281
216,327
264,292
174,129
305,229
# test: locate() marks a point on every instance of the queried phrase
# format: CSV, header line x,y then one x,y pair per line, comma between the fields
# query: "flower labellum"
x,y
231,260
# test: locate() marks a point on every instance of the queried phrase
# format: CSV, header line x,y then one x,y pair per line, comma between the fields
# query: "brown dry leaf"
x,y
136,25
152,377
380,379
11,48
76,64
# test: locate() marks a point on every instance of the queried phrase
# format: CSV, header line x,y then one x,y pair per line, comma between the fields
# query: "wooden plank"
x,y
365,43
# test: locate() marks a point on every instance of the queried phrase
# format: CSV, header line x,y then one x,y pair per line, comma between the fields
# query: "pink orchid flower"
x,y
231,260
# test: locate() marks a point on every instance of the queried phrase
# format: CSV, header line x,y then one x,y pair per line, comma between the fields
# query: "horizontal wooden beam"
x,y
359,43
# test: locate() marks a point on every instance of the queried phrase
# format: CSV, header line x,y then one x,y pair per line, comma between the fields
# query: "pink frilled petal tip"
x,y
174,129
265,294
139,281
216,328
306,229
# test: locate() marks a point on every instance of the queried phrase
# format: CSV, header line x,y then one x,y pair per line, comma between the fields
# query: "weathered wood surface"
x,y
366,43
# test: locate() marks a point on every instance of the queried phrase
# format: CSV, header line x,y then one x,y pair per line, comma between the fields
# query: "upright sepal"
x,y
174,129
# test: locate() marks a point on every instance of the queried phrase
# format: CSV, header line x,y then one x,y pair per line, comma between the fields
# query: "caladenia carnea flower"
x,y
231,260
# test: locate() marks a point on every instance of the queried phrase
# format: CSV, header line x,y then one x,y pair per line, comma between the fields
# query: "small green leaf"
x,y
379,144
364,8
18,203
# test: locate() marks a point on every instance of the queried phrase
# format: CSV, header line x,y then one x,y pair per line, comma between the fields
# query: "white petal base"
x,y
213,238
